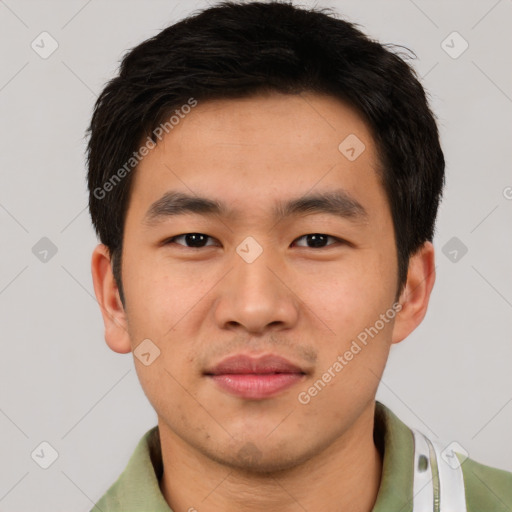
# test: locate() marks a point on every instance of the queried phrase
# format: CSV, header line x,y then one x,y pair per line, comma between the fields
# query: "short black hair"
x,y
236,50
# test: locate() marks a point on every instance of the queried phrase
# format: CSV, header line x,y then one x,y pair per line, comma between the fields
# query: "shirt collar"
x,y
138,487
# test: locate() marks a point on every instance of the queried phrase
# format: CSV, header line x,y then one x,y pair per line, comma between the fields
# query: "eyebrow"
x,y
337,202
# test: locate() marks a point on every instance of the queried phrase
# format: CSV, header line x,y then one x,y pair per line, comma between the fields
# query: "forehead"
x,y
253,150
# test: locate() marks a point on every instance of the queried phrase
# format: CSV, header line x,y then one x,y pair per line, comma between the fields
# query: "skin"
x,y
306,303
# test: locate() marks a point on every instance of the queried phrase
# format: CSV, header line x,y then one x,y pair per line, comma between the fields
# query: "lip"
x,y
255,377
245,364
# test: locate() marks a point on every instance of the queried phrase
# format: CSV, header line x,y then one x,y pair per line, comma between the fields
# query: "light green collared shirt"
x,y
487,489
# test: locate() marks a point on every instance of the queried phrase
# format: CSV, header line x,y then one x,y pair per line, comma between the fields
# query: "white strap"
x,y
450,480
423,489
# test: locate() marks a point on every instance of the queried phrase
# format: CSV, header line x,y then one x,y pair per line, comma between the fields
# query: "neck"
x,y
343,476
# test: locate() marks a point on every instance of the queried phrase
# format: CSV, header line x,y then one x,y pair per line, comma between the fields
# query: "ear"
x,y
107,294
415,296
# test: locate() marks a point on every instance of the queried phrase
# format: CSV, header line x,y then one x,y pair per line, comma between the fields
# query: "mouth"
x,y
255,378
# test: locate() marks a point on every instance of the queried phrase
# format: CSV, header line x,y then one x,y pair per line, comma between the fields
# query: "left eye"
x,y
317,240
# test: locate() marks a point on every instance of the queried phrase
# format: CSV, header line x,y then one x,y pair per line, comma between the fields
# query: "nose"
x,y
256,296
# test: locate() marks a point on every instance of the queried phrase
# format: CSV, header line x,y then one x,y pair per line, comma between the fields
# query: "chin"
x,y
249,458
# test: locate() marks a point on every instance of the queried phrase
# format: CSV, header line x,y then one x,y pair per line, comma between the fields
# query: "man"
x,y
264,180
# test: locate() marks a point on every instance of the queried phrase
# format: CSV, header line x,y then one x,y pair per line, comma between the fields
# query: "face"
x,y
292,255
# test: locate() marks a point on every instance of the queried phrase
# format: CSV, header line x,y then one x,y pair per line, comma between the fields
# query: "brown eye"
x,y
192,240
317,240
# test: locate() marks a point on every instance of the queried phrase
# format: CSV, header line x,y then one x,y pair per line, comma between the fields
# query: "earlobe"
x,y
415,297
107,295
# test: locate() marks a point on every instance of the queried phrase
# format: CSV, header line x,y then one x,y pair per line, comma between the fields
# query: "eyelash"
x,y
172,240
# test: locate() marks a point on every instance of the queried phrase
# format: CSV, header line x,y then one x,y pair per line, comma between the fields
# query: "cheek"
x,y
160,292
168,304
347,293
346,302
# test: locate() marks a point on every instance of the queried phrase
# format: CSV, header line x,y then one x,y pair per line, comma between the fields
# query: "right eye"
x,y
192,240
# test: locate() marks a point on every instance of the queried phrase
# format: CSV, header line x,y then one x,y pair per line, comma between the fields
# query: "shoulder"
x,y
431,471
137,488
487,488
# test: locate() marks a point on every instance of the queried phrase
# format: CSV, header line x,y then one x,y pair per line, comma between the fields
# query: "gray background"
x,y
61,383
